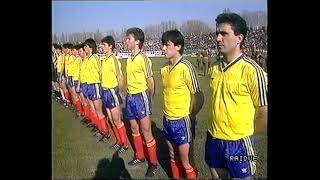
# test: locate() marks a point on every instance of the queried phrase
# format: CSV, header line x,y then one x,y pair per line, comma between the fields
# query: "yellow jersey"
x,y
82,73
66,64
76,68
138,70
60,64
179,83
110,70
237,88
92,70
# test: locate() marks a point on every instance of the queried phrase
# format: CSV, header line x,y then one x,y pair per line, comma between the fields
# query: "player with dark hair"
x,y
239,103
183,99
112,86
93,89
140,87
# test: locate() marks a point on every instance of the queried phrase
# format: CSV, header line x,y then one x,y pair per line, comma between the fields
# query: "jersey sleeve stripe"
x,y
261,82
147,65
116,65
195,83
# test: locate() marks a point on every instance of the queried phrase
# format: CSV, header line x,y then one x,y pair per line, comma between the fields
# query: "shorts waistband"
x,y
137,93
108,89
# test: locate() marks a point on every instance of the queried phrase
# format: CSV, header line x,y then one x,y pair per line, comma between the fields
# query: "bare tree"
x,y
97,36
195,27
255,18
155,31
150,31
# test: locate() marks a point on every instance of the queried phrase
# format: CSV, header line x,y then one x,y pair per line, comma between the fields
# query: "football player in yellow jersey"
x,y
74,67
55,77
71,65
67,65
63,81
183,99
112,86
82,85
60,67
140,87
239,103
94,91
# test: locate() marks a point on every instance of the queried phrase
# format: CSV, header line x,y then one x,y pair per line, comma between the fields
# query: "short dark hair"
x,y
65,45
78,46
175,37
73,47
110,41
138,34
237,23
58,47
92,44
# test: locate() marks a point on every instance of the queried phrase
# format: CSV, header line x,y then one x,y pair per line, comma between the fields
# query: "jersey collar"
x,y
175,64
132,58
224,66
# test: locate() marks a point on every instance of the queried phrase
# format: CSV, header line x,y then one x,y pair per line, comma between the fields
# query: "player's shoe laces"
x,y
105,138
123,149
152,169
115,146
136,161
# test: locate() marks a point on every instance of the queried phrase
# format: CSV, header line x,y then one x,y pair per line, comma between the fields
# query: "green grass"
x,y
78,154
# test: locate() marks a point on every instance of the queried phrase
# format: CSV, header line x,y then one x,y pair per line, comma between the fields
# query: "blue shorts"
x,y
92,91
178,131
83,87
111,98
236,156
138,106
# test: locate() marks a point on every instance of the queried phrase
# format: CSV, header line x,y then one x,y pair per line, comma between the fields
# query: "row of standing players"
x,y
230,128
93,86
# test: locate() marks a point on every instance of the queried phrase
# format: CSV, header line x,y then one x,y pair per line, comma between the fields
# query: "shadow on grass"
x,y
163,152
112,170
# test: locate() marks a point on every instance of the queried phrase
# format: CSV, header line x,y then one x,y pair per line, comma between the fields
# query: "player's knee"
x,y
135,129
146,132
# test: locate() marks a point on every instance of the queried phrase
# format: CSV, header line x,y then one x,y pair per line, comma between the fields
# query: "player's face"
x,y
64,50
86,49
105,47
69,51
82,54
131,42
74,52
170,50
227,41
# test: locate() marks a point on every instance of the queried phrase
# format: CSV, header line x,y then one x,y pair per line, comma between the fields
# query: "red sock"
x,y
175,170
182,172
96,121
104,128
78,105
116,134
191,173
67,95
86,111
137,141
92,117
123,135
145,149
81,109
152,152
